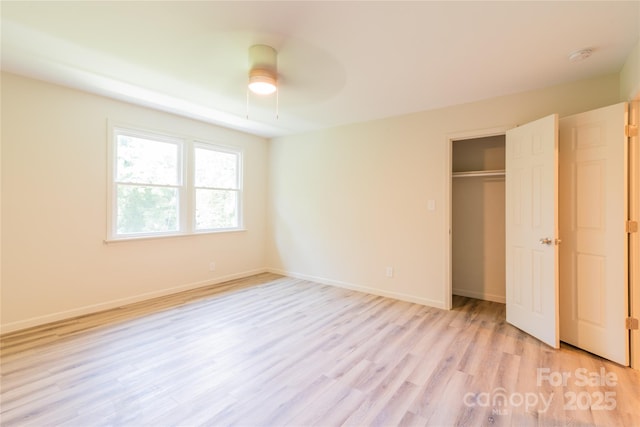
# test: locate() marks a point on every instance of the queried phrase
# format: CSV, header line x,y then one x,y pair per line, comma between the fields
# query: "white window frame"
x,y
238,189
186,187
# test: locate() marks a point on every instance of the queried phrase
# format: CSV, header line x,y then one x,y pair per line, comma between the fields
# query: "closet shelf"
x,y
470,174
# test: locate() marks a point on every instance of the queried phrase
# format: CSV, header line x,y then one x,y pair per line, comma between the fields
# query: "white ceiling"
x,y
339,62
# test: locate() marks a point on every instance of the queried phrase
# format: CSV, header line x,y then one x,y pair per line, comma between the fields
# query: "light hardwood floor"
x,y
270,350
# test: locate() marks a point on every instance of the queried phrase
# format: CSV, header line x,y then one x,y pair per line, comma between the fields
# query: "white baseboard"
x,y
94,308
365,289
480,295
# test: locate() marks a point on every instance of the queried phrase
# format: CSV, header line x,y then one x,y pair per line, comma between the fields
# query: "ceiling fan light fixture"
x,y
262,82
263,69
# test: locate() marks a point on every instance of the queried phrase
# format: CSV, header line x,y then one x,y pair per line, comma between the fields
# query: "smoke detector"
x,y
580,55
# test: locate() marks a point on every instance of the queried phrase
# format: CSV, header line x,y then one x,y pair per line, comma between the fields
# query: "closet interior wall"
x,y
478,218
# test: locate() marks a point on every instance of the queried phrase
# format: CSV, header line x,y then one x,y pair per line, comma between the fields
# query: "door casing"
x,y
448,191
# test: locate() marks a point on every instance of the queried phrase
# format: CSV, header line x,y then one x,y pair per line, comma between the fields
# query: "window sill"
x,y
171,236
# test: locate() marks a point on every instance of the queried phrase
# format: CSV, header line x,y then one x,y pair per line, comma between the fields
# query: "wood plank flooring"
x,y
270,351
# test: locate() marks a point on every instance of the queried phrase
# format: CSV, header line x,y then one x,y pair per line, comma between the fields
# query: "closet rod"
x,y
477,173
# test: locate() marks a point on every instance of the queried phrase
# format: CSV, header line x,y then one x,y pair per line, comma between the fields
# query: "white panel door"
x,y
593,254
531,229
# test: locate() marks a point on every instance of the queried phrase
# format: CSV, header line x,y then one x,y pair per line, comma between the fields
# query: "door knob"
x,y
548,241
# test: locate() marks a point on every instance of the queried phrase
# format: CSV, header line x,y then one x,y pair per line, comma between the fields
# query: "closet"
x,y
478,218
563,259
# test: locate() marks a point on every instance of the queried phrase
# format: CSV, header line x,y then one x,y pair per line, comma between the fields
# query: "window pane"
x,y
145,161
143,209
216,209
216,169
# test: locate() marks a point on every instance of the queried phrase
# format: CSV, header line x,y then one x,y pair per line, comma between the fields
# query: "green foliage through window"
x,y
150,191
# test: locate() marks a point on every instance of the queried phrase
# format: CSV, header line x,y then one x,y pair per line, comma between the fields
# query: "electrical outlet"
x,y
389,271
212,266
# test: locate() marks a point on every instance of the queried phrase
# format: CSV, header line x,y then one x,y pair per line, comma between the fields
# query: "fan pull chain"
x,y
247,111
277,105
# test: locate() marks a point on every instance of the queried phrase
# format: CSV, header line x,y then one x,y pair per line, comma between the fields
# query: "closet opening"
x,y
478,218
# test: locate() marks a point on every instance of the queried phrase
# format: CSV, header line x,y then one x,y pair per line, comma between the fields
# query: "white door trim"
x,y
634,238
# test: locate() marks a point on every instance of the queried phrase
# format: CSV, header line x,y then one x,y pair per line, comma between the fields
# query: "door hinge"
x,y
630,131
631,323
631,226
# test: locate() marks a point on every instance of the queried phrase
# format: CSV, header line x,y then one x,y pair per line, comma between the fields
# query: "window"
x,y
164,185
217,188
148,183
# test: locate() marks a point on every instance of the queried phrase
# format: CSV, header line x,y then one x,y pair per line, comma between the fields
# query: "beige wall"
x,y
345,203
630,76
54,261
